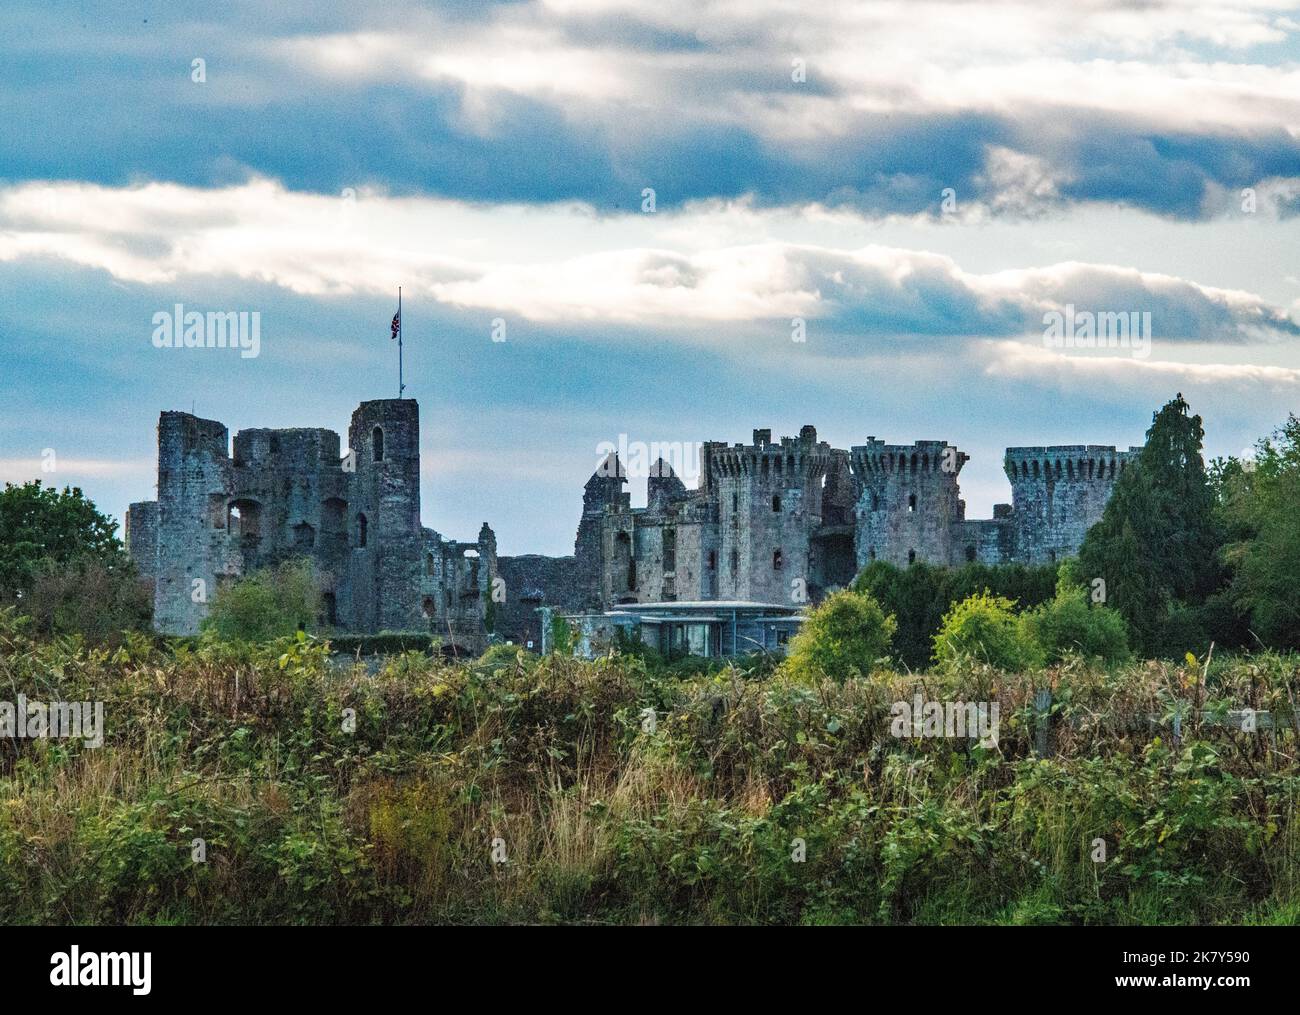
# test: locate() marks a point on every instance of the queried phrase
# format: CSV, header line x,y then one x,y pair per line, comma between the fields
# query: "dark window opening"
x,y
244,519
304,536
911,556
777,560
776,503
670,551
377,443
970,554
911,502
362,525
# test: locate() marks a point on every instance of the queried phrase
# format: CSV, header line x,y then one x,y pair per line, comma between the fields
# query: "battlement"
x,y
878,458
766,458
1070,462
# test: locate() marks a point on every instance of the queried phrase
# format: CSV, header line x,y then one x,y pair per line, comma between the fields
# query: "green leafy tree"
x,y
267,604
41,527
844,636
1261,502
985,628
1158,541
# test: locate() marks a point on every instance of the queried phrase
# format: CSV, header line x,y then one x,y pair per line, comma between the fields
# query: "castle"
x,y
775,522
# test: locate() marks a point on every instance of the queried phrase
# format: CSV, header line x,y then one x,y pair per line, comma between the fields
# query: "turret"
x,y
910,503
1058,493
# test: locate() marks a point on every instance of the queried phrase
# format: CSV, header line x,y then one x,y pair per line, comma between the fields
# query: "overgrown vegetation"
x,y
394,816
62,565
267,604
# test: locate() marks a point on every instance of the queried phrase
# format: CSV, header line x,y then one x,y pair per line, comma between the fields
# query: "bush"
x,y
1069,625
984,627
919,596
846,635
501,654
90,598
267,604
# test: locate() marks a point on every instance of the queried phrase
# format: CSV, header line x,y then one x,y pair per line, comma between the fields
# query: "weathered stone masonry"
x,y
772,521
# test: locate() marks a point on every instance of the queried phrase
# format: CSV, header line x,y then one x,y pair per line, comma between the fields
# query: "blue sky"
x,y
918,182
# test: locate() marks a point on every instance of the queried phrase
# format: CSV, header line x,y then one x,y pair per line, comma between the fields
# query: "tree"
x,y
1157,543
1261,502
845,636
41,527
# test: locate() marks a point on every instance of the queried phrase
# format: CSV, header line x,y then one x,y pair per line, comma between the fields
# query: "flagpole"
x,y
400,386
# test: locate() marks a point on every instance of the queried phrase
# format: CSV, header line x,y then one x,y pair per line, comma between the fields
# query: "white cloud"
x,y
563,265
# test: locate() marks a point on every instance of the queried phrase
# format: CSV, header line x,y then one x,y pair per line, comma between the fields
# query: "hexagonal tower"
x,y
769,498
1058,493
910,504
384,517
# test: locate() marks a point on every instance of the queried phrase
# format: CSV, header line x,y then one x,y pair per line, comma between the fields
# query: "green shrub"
x,y
267,604
984,627
1069,625
845,636
90,598
918,596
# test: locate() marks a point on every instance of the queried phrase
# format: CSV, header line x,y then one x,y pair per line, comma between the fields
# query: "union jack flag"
x,y
397,323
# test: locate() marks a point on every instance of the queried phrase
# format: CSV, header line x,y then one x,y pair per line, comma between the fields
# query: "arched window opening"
x,y
778,561
362,526
911,556
429,567
377,443
776,503
911,502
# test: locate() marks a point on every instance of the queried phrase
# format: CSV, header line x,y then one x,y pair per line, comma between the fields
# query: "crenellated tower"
x,y
910,506
1058,493
769,497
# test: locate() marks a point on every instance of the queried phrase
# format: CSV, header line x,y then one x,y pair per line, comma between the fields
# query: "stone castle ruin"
x,y
771,522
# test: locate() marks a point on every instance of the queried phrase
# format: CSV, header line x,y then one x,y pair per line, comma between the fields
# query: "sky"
x,y
676,222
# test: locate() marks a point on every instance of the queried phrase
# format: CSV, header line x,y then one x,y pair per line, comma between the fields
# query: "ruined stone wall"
x,y
194,478
141,536
286,494
533,581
